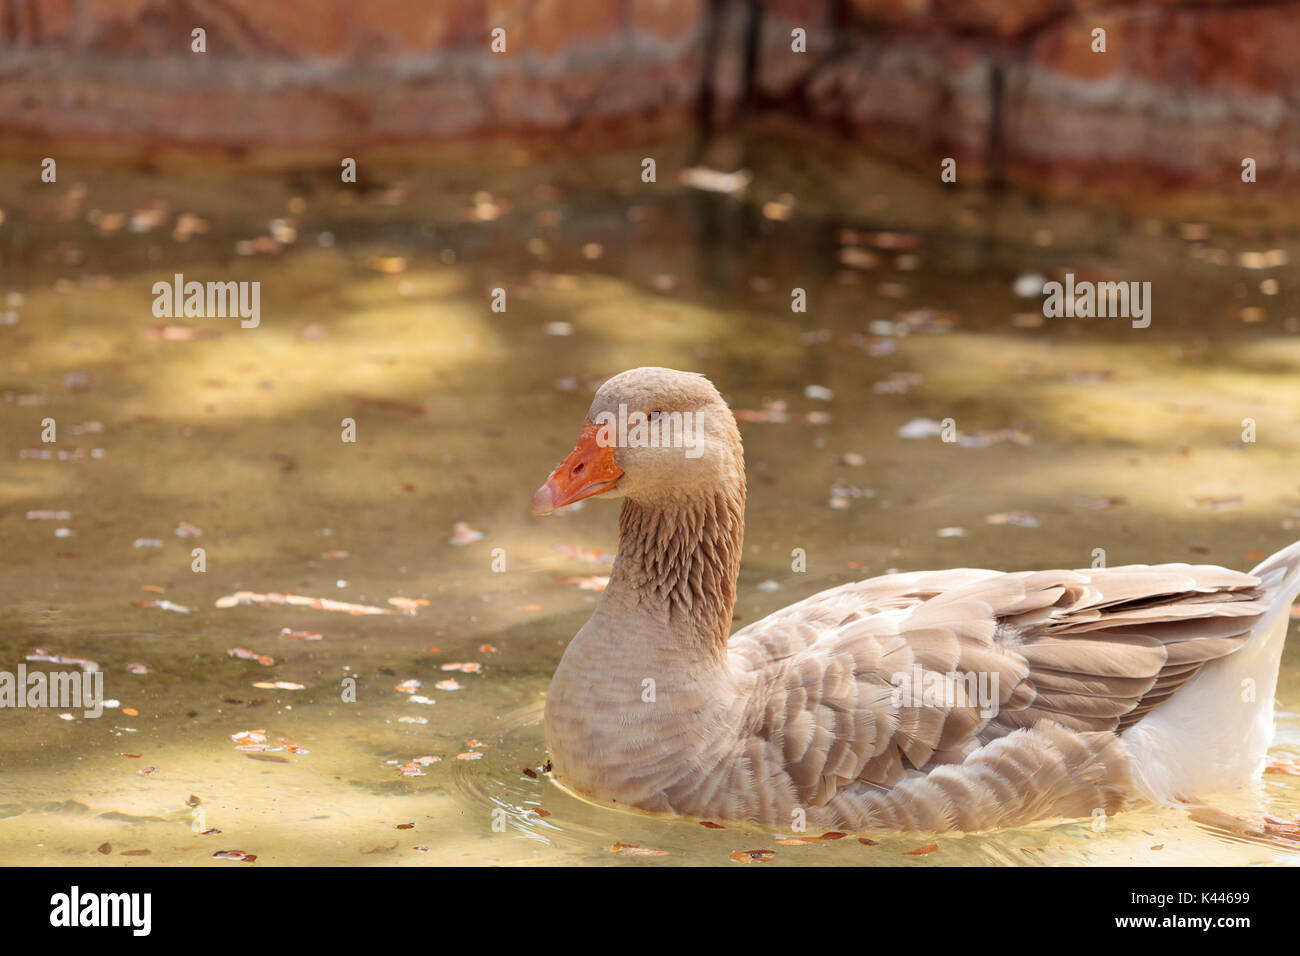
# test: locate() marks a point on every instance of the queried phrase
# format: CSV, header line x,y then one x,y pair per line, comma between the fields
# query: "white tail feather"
x,y
1212,736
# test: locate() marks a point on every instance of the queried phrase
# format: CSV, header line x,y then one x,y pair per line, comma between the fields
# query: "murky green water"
x,y
1115,438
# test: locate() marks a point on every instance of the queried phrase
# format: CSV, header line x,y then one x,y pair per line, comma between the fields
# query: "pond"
x,y
411,734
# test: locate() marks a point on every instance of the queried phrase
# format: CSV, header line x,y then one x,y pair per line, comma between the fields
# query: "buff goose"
x,y
934,700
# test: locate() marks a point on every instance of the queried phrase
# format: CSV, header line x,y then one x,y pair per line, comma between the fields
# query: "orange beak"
x,y
588,471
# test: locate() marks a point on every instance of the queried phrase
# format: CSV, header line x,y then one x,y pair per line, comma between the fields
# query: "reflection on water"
x,y
376,306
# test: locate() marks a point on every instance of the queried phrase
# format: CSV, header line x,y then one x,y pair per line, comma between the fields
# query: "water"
x,y
461,412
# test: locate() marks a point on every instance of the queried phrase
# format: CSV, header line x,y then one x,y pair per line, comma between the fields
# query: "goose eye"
x,y
654,416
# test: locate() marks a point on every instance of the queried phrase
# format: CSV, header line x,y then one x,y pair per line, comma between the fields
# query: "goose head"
x,y
652,436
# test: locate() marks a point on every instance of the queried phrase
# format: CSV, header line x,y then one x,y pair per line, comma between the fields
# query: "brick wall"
x,y
1186,89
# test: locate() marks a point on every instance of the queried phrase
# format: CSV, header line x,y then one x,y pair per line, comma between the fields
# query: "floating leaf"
x,y
631,849
471,667
244,654
462,534
237,855
298,600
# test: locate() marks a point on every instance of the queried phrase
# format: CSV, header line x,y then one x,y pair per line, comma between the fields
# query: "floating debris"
x,y
841,495
818,392
298,600
994,437
898,383
857,258
178,332
875,345
250,739
1022,519
631,849
410,605
716,181
928,320
187,224
920,428
462,534
244,654
1220,504
77,381
585,554
798,841
594,583
411,769
21,399
1029,286
1099,503
162,605
46,454
772,413
468,667
778,210
1272,259
85,663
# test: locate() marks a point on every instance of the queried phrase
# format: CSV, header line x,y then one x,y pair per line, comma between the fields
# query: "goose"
x,y
957,700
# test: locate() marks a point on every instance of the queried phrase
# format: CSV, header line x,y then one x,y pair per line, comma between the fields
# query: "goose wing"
x,y
881,680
